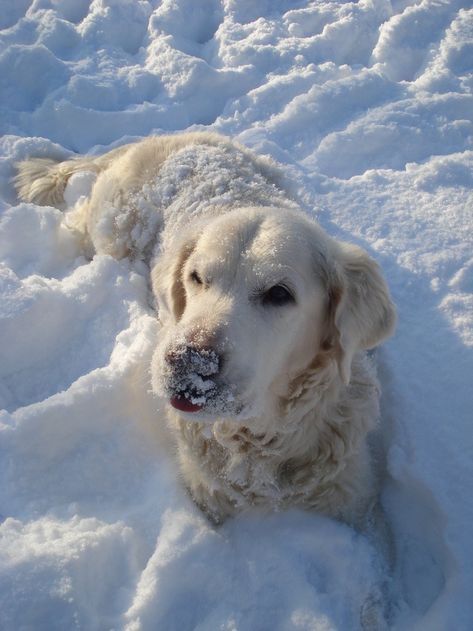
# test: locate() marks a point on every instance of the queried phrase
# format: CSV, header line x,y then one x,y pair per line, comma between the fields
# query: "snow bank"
x,y
369,106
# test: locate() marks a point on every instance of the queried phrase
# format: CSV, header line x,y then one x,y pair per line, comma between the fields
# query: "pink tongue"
x,y
184,405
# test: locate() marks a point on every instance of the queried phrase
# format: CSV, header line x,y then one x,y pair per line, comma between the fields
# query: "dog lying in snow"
x,y
264,319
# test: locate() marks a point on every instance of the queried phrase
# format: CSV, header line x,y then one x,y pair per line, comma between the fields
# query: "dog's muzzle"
x,y
190,377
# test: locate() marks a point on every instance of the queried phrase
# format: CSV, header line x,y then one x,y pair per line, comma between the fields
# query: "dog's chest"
x,y
248,470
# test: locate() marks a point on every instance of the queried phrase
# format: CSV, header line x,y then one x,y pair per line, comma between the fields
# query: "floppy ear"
x,y
167,282
360,308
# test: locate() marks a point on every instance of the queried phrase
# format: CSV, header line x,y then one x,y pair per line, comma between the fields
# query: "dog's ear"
x,y
360,311
167,282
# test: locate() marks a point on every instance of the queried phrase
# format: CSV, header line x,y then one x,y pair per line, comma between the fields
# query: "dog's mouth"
x,y
193,393
209,397
183,404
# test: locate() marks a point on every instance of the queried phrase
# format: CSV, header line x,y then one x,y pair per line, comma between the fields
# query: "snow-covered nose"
x,y
204,362
191,376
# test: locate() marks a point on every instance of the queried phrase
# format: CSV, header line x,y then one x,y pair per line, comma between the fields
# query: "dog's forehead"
x,y
263,243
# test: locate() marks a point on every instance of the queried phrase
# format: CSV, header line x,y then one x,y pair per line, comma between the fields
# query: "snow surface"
x,y
369,106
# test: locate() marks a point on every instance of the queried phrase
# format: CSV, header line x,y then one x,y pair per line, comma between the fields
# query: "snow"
x,y
369,107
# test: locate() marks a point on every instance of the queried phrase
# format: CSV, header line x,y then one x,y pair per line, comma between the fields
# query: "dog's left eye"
x,y
277,296
195,278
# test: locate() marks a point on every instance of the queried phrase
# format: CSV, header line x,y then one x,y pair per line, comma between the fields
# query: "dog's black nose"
x,y
190,358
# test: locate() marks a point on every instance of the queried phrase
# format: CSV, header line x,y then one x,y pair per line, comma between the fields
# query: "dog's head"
x,y
248,299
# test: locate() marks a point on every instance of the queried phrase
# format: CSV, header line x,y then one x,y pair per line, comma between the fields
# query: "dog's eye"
x,y
195,278
277,296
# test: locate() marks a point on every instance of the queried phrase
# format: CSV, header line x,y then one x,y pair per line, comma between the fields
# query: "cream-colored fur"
x,y
264,319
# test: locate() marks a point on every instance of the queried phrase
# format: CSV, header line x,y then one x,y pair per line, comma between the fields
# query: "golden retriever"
x,y
265,319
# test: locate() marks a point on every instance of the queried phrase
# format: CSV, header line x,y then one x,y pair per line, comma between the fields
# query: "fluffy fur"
x,y
265,319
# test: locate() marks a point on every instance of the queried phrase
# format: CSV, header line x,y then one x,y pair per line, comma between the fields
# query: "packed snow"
x,y
369,108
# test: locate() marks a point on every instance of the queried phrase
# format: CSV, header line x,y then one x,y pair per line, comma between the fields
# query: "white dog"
x,y
263,319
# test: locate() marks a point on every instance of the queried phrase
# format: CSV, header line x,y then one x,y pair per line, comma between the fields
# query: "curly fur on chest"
x,y
312,455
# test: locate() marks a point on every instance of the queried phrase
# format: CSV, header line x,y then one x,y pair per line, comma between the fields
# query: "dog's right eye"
x,y
195,278
277,296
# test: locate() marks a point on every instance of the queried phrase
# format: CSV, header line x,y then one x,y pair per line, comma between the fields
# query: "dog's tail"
x,y
43,181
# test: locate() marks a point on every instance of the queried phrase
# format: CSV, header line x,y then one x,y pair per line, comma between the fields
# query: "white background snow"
x,y
369,105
